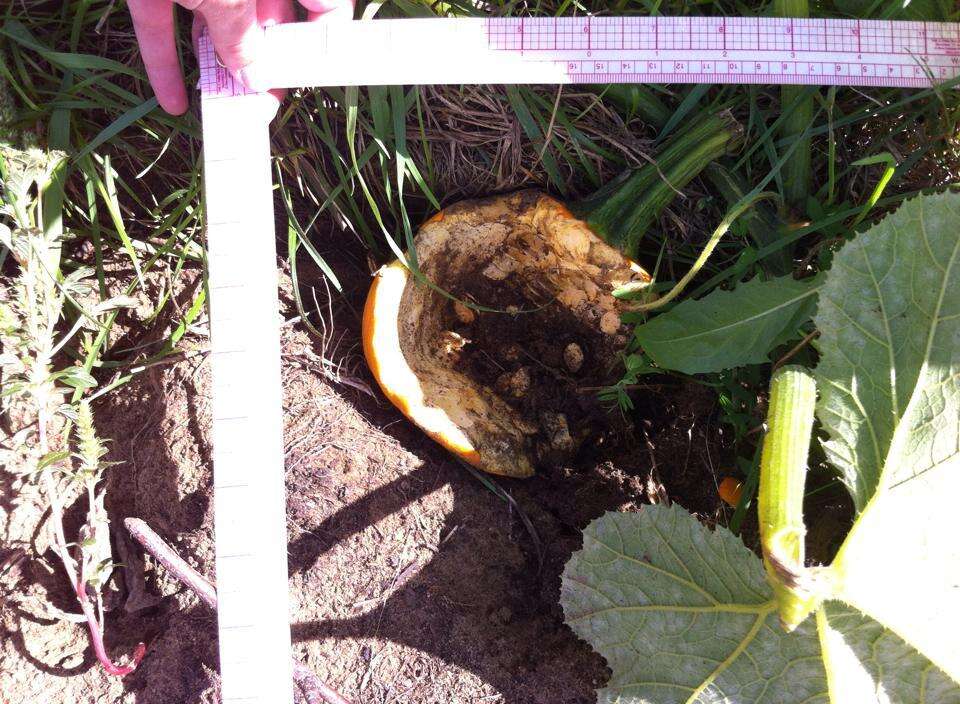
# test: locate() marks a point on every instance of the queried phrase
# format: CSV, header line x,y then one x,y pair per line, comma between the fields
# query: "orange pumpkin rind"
x,y
405,323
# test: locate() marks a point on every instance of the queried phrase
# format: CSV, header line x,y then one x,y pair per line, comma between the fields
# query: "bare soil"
x,y
410,581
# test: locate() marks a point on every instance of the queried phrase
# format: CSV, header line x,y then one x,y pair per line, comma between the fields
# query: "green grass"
x,y
369,164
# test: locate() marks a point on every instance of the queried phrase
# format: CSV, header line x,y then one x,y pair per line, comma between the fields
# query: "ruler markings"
x,y
249,505
554,50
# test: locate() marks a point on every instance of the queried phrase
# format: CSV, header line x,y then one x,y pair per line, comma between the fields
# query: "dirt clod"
x,y
464,314
573,357
514,384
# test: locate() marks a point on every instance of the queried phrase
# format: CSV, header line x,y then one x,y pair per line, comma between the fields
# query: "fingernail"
x,y
252,77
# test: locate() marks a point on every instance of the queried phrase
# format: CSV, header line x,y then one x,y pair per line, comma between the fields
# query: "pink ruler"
x,y
614,49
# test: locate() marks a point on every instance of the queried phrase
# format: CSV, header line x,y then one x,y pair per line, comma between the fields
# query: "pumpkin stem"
x,y
798,104
622,211
783,471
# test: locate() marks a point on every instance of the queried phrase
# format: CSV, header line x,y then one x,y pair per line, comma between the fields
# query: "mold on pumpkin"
x,y
502,371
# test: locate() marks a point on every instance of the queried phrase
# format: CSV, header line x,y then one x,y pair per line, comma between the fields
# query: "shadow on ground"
x,y
487,599
411,582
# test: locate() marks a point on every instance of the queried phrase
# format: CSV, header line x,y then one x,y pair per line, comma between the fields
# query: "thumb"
x,y
328,9
237,37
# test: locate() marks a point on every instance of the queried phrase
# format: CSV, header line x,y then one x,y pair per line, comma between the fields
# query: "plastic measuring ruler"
x,y
250,520
248,486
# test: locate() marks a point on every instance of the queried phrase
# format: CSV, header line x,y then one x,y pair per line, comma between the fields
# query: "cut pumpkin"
x,y
526,242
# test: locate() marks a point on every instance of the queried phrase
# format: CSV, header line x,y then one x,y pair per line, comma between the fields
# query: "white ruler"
x,y
614,50
249,501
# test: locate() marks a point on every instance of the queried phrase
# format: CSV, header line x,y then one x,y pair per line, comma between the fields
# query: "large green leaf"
x,y
887,314
886,630
901,563
869,663
684,615
726,329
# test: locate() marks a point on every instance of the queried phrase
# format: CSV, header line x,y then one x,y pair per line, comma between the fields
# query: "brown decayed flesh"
x,y
508,378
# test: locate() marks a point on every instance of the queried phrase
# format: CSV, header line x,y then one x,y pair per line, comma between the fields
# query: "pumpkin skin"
x,y
405,323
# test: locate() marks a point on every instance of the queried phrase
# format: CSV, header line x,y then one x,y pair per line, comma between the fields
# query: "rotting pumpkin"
x,y
526,240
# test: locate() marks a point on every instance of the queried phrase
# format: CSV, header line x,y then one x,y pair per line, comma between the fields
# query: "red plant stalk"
x,y
96,637
313,688
70,567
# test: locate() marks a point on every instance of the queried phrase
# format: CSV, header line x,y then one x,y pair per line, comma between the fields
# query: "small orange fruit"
x,y
731,490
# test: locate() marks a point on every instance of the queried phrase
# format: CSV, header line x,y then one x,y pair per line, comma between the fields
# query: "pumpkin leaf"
x,y
889,316
726,329
890,400
655,592
901,561
684,615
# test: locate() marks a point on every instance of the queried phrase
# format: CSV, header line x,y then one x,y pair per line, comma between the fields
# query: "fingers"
x,y
271,12
235,27
328,9
153,24
237,36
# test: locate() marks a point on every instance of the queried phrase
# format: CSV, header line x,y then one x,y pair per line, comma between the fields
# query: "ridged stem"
x,y
783,471
623,210
797,170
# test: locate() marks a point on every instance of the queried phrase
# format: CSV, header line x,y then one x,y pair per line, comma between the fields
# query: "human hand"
x,y
235,29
